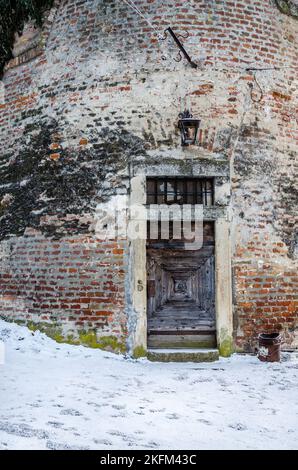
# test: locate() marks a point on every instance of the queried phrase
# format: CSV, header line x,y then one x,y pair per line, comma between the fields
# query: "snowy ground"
x,y
56,396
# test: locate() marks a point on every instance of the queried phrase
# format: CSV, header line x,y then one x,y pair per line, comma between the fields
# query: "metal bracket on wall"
x,y
180,45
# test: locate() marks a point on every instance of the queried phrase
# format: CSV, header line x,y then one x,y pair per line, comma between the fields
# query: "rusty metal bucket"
x,y
269,347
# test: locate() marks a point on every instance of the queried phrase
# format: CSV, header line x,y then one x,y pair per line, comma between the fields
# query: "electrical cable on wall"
x,y
259,99
163,37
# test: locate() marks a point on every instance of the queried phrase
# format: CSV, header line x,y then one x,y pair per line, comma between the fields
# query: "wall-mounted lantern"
x,y
189,127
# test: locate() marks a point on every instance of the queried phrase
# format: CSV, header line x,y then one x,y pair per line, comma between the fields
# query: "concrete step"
x,y
182,355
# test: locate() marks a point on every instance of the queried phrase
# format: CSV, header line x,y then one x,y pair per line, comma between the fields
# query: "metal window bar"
x,y
177,191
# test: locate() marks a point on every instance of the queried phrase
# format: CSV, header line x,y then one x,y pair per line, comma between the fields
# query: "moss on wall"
x,y
41,181
225,345
139,351
108,343
87,338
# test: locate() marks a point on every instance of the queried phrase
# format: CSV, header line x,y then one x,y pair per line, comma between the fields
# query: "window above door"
x,y
169,190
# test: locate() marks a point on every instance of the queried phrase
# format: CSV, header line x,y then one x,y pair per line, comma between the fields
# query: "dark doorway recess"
x,y
180,282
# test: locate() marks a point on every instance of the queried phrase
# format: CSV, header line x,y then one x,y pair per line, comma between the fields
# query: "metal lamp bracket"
x,y
180,45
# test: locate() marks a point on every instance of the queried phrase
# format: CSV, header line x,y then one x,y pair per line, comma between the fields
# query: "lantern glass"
x,y
188,128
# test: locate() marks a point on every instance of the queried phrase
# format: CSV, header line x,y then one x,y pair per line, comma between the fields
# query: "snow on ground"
x,y
55,396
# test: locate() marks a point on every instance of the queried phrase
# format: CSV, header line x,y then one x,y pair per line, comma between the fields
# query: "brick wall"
x,y
65,286
99,94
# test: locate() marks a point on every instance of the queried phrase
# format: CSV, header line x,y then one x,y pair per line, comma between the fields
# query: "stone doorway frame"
x,y
137,274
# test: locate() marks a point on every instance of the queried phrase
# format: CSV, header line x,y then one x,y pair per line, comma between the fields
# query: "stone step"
x,y
175,341
182,355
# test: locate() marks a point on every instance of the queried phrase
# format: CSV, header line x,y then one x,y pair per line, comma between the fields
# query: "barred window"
x,y
180,191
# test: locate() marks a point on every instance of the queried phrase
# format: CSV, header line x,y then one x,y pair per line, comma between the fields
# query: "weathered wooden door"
x,y
181,294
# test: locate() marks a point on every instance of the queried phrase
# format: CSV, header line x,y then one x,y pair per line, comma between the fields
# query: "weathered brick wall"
x,y
64,286
97,95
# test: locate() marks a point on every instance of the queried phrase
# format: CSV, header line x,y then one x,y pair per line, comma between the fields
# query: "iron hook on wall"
x,y
178,58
